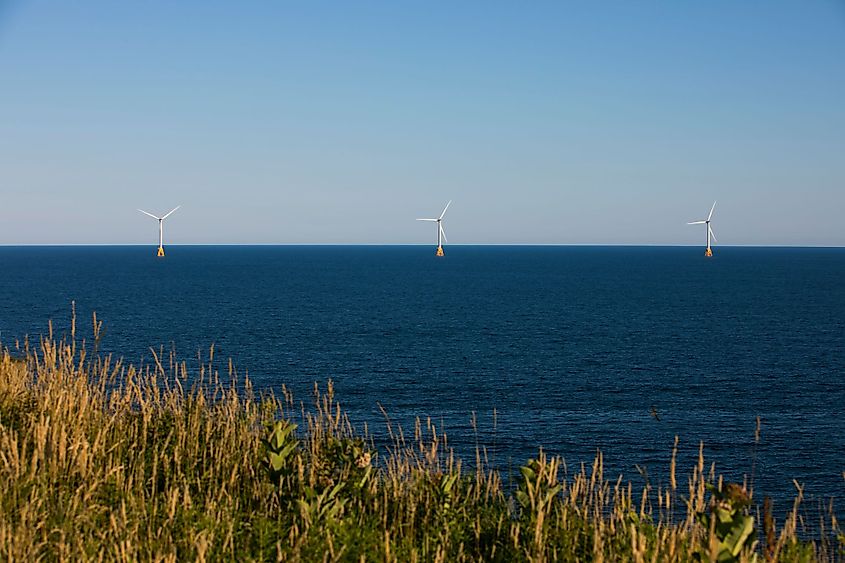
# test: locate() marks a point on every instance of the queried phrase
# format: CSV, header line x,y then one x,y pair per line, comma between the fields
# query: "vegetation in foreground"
x,y
100,460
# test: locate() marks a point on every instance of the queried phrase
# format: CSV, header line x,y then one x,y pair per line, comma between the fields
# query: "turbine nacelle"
x,y
165,216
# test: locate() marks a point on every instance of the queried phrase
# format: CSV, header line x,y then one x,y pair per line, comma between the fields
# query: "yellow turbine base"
x,y
160,252
708,253
439,251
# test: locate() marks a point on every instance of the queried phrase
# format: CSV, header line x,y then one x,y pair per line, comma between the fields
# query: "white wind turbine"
x,y
160,227
709,251
441,234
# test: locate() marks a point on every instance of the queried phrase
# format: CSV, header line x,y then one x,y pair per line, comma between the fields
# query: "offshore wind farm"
x,y
441,233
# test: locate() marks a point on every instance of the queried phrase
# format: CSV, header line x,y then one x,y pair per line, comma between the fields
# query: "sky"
x,y
341,122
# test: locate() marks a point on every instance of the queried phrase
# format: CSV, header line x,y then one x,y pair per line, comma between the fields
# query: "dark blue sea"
x,y
572,346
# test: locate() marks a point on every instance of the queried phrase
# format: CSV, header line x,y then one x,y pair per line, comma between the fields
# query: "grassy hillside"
x,y
101,460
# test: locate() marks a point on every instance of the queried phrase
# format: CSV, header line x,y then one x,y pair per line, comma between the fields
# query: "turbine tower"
x,y
441,234
160,228
709,251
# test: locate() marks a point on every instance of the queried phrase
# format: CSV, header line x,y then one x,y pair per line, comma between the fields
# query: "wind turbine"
x,y
709,251
160,228
441,234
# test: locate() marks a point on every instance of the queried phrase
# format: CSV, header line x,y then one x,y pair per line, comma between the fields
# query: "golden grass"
x,y
105,461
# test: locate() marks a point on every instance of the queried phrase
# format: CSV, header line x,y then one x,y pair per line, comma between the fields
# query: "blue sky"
x,y
341,122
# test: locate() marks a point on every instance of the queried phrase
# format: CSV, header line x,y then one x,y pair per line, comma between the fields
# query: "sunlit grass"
x,y
101,460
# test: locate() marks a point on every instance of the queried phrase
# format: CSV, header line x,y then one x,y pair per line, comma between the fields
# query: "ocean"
x,y
565,348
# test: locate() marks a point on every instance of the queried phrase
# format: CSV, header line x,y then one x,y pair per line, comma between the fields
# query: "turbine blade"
x,y
697,223
445,208
711,211
443,233
150,214
435,220
171,211
712,234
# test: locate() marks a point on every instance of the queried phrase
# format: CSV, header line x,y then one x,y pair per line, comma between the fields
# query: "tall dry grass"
x,y
105,461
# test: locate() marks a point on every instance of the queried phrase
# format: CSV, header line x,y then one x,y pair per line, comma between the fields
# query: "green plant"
x,y
321,506
537,491
730,527
538,486
346,460
278,447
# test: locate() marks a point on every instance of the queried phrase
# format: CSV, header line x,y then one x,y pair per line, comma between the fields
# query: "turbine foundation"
x,y
708,253
160,252
439,251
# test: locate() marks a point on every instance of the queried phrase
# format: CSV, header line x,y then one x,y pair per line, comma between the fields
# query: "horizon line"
x,y
628,245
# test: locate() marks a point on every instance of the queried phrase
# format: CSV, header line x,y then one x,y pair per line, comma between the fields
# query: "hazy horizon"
x,y
414,244
565,124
